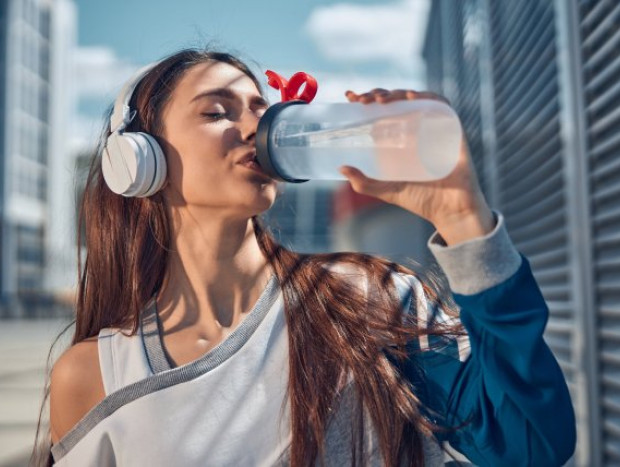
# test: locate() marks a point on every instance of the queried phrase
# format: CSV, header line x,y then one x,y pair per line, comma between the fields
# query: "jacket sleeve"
x,y
498,391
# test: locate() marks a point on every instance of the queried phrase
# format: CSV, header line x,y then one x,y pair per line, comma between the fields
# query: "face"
x,y
209,126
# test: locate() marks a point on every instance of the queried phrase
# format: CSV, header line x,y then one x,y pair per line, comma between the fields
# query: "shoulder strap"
x,y
122,359
106,360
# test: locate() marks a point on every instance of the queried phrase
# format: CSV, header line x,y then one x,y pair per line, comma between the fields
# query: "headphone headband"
x,y
122,114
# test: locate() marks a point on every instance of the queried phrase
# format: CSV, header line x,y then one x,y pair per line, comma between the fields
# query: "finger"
x,y
369,186
426,95
379,92
405,94
351,96
409,94
373,95
367,99
395,95
359,181
375,92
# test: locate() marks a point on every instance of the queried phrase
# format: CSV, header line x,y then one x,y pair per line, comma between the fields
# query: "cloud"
x,y
99,75
86,130
391,32
100,72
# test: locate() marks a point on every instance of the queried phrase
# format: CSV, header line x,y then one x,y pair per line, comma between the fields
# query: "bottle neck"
x,y
263,141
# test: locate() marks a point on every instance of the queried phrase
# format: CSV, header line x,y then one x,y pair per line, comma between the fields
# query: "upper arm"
x,y
76,386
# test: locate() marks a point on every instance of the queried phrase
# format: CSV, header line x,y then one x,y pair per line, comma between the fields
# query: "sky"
x,y
354,44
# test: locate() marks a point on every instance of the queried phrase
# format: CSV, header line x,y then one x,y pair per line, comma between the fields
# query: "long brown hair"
x,y
336,330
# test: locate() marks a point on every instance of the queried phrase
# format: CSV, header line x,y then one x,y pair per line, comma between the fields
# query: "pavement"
x,y
24,347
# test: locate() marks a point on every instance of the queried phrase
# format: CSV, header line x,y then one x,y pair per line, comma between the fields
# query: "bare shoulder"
x,y
76,386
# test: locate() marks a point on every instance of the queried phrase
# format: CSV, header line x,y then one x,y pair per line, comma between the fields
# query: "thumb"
x,y
388,191
359,182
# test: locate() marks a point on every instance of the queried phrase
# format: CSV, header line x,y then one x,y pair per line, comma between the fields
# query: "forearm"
x,y
466,225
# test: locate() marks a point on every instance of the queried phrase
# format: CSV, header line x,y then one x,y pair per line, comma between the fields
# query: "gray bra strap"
x,y
152,335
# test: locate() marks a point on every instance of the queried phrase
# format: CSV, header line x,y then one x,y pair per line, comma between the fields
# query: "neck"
x,y
215,274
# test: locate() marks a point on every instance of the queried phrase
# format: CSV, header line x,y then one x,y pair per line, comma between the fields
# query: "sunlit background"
x,y
535,82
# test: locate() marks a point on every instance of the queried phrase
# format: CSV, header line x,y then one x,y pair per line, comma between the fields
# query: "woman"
x,y
201,341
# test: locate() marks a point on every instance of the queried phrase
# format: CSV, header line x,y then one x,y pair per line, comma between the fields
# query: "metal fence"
x,y
537,86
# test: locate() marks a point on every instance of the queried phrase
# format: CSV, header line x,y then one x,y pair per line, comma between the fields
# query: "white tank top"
x,y
228,407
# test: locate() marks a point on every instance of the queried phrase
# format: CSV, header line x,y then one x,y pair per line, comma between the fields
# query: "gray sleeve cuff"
x,y
480,263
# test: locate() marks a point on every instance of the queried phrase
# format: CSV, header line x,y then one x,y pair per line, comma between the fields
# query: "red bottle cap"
x,y
289,89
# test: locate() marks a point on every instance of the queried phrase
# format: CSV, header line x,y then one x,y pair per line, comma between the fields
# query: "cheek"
x,y
196,159
205,143
202,176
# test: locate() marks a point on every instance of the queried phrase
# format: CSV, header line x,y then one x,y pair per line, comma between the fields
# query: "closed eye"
x,y
214,115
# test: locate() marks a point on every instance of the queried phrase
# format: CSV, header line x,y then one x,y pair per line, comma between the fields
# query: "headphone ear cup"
x,y
156,153
119,164
133,164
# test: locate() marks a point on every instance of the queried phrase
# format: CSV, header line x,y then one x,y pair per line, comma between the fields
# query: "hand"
x,y
455,204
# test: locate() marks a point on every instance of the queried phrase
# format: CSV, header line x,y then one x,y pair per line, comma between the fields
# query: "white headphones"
x,y
133,164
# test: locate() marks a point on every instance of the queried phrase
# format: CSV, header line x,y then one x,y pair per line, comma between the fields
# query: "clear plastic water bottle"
x,y
409,140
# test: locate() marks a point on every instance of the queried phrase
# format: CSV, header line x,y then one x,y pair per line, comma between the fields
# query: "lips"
x,y
251,162
249,157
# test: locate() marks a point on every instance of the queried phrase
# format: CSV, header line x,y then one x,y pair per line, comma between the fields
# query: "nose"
x,y
248,124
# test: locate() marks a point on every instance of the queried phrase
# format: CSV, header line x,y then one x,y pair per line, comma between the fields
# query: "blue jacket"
x,y
500,394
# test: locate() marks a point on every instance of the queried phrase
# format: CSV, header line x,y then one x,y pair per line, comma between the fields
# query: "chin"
x,y
265,206
262,201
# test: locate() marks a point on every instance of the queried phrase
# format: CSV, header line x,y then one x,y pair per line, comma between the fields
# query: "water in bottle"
x,y
412,140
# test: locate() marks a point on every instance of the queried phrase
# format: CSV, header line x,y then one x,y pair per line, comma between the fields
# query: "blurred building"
x,y
325,216
301,216
366,224
60,270
34,36
537,86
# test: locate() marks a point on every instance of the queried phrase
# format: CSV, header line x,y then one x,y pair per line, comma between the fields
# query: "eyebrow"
x,y
228,94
